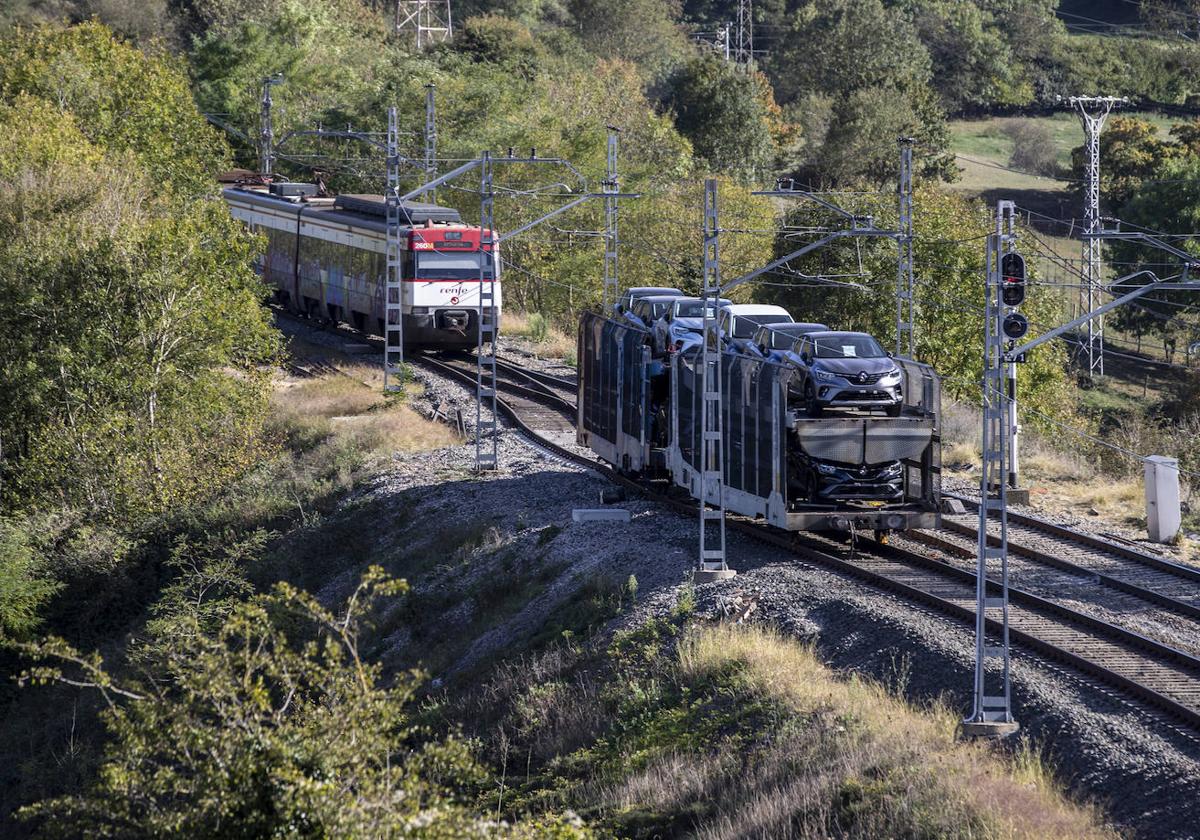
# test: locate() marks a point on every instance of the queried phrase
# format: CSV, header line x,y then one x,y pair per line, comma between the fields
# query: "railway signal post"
x,y
991,716
1004,329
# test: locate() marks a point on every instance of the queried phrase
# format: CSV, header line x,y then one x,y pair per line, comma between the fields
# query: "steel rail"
x,y
1099,649
551,379
938,585
1160,564
1035,555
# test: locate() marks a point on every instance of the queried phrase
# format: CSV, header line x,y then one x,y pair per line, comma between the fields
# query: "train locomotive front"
x,y
327,257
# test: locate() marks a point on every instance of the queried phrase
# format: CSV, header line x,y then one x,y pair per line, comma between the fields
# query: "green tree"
x,y
836,47
335,65
25,583
1131,151
726,114
501,41
855,76
644,32
121,99
857,293
132,327
1168,203
859,140
973,63
274,725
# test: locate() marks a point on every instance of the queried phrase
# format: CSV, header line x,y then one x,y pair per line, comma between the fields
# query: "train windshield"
x,y
435,265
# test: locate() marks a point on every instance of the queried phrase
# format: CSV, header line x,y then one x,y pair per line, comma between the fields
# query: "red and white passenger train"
x,y
327,257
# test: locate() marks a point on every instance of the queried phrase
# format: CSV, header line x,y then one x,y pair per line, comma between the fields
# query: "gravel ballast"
x,y
1136,763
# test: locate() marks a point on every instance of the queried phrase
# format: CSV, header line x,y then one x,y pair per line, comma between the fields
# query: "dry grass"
x,y
1057,476
732,731
874,751
398,429
547,341
327,396
350,407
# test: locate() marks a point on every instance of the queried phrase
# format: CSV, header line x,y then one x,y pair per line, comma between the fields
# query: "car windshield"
x,y
658,310
432,265
848,346
745,325
780,340
693,309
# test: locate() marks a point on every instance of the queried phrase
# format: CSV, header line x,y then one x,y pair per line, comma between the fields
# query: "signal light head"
x,y
1015,325
1012,278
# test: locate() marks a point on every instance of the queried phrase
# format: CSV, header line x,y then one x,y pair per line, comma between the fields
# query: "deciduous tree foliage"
x,y
131,322
858,293
645,32
274,725
1131,151
855,76
1169,203
729,115
121,99
1148,181
25,583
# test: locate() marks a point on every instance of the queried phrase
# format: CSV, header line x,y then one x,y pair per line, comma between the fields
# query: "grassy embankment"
x,y
327,436
723,731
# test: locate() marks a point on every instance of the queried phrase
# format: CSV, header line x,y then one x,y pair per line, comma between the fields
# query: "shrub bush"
x,y
1033,147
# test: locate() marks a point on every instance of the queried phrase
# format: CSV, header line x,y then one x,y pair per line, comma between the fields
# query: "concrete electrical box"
x,y
1162,498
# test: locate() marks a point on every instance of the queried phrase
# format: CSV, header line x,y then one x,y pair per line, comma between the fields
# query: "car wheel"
x,y
894,409
810,400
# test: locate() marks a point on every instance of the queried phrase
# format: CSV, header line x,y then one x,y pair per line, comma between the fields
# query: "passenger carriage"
x,y
327,257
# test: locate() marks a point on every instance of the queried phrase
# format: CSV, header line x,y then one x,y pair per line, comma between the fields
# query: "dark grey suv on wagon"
x,y
846,370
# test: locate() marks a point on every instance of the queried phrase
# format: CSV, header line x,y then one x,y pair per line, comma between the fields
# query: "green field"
x,y
983,150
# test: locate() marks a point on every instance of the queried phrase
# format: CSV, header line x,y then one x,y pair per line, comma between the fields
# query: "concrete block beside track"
x,y
600,515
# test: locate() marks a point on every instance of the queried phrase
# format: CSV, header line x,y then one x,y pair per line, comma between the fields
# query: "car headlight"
x,y
894,373
825,376
825,469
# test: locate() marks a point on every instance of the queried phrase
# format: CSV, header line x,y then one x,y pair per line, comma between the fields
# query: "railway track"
x,y
1156,674
543,409
563,384
1169,586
